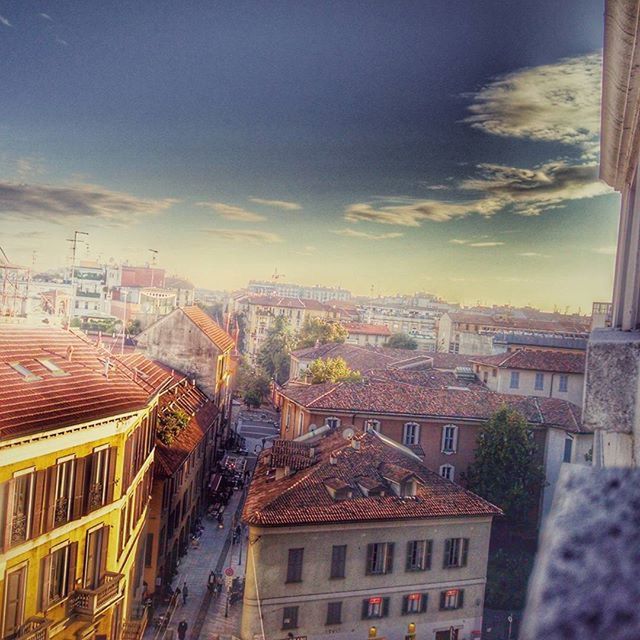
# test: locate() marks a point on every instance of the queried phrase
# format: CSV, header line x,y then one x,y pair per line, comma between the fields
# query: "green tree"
x,y
401,341
134,327
171,424
505,470
331,370
252,384
273,356
317,330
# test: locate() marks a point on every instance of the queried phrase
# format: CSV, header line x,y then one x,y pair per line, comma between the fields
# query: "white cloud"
x,y
46,16
482,245
278,204
364,235
534,254
57,204
251,236
458,241
64,43
557,102
5,22
231,212
609,250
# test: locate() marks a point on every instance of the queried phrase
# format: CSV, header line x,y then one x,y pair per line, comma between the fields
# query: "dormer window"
x,y
52,367
372,425
28,376
338,489
332,422
409,488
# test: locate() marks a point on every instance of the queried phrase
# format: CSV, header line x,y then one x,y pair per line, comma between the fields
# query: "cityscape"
x,y
319,321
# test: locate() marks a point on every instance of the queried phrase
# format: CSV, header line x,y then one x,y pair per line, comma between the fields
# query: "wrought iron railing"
x,y
91,602
19,527
61,514
34,628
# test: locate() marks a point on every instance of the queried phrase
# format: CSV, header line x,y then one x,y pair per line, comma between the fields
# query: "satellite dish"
x,y
348,433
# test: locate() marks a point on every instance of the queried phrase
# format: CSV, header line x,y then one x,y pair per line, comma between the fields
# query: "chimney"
x,y
333,459
106,368
355,443
70,353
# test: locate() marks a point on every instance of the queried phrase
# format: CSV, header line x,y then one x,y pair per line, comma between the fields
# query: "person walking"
x,y
211,581
185,593
182,630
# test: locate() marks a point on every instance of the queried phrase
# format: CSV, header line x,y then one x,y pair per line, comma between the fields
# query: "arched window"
x,y
332,422
447,471
411,433
449,438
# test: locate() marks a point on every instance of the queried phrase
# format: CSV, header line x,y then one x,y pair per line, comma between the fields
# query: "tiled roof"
x,y
556,361
302,498
377,397
155,374
541,340
209,327
287,303
428,378
367,329
557,325
449,361
288,453
52,399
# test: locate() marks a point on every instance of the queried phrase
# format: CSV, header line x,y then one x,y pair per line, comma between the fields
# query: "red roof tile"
x,y
302,498
367,329
209,327
287,303
557,325
556,361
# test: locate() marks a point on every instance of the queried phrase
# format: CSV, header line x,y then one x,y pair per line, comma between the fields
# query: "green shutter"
x,y
389,558
423,604
385,607
443,596
465,552
447,552
460,598
409,550
365,609
429,552
368,567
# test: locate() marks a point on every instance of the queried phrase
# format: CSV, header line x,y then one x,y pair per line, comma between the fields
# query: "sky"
x,y
448,146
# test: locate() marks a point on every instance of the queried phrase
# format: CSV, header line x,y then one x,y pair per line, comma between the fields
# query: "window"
x,y
287,419
334,613
411,433
485,377
372,425
332,422
300,423
451,599
28,376
539,384
414,603
447,471
563,383
338,560
568,446
294,565
449,438
376,607
419,555
494,373
98,479
290,618
52,367
15,583
515,380
455,552
64,492
57,576
95,561
21,513
379,558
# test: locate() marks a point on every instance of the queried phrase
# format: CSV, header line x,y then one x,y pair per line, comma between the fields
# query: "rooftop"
x,y
282,301
555,361
559,324
367,329
302,498
209,327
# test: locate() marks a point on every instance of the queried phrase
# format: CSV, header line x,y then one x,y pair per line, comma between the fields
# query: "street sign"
x,y
229,582
229,571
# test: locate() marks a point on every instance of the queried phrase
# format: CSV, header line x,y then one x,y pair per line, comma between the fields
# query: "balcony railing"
x,y
134,628
34,629
87,294
61,514
91,602
18,528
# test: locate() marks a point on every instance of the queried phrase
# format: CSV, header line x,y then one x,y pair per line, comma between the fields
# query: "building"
x,y
184,290
454,326
288,290
439,418
89,292
355,538
506,342
76,449
601,315
365,334
549,374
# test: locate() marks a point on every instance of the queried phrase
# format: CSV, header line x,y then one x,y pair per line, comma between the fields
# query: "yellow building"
x,y
77,434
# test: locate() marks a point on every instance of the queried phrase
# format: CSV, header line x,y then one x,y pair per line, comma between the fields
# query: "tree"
x,y
134,327
505,470
318,331
252,384
275,351
332,370
401,341
171,424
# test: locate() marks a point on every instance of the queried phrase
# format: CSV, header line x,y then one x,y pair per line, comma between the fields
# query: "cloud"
x,y
482,245
64,43
534,254
606,251
251,236
46,16
308,250
278,204
364,235
411,215
5,22
458,241
231,212
59,204
557,102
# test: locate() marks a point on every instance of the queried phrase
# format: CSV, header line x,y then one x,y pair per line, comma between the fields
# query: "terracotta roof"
x,y
558,324
428,378
556,361
288,453
78,392
377,397
209,327
155,374
449,361
287,303
302,498
367,329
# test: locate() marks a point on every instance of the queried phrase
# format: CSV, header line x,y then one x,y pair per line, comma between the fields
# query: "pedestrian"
x,y
211,581
177,593
185,593
182,630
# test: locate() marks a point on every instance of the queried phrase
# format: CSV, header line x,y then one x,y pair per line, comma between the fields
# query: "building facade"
x,y
367,334
288,290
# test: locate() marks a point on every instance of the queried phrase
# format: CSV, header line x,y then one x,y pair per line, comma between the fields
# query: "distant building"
x,y
288,290
356,538
365,334
601,313
89,291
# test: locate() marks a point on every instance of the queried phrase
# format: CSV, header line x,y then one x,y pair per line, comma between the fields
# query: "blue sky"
x,y
448,146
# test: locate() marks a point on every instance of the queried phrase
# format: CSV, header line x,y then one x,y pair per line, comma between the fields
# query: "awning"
x,y
215,481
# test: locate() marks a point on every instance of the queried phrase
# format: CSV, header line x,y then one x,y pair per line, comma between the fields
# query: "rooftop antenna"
x,y
74,250
154,257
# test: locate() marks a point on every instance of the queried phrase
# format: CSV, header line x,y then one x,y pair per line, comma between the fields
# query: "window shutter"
x,y
465,552
416,439
429,553
385,607
409,550
71,573
460,598
39,507
370,548
447,552
442,437
9,492
423,603
126,471
44,583
389,558
104,544
79,488
365,608
455,439
52,477
111,477
443,597
405,604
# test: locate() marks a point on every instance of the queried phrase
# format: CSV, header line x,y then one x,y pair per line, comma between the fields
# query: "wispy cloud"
x,y
557,102
232,212
364,235
482,245
64,43
58,204
251,236
534,254
609,250
308,250
5,22
46,16
458,241
278,204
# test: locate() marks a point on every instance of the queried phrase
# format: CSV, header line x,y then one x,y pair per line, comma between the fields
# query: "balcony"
x,y
91,602
34,629
134,628
80,293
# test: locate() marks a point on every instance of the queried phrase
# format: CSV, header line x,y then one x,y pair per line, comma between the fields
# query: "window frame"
x,y
446,602
290,621
385,558
334,618
449,439
563,383
538,384
338,567
372,425
329,422
295,563
426,555
411,429
514,380
375,607
450,469
408,606
456,553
